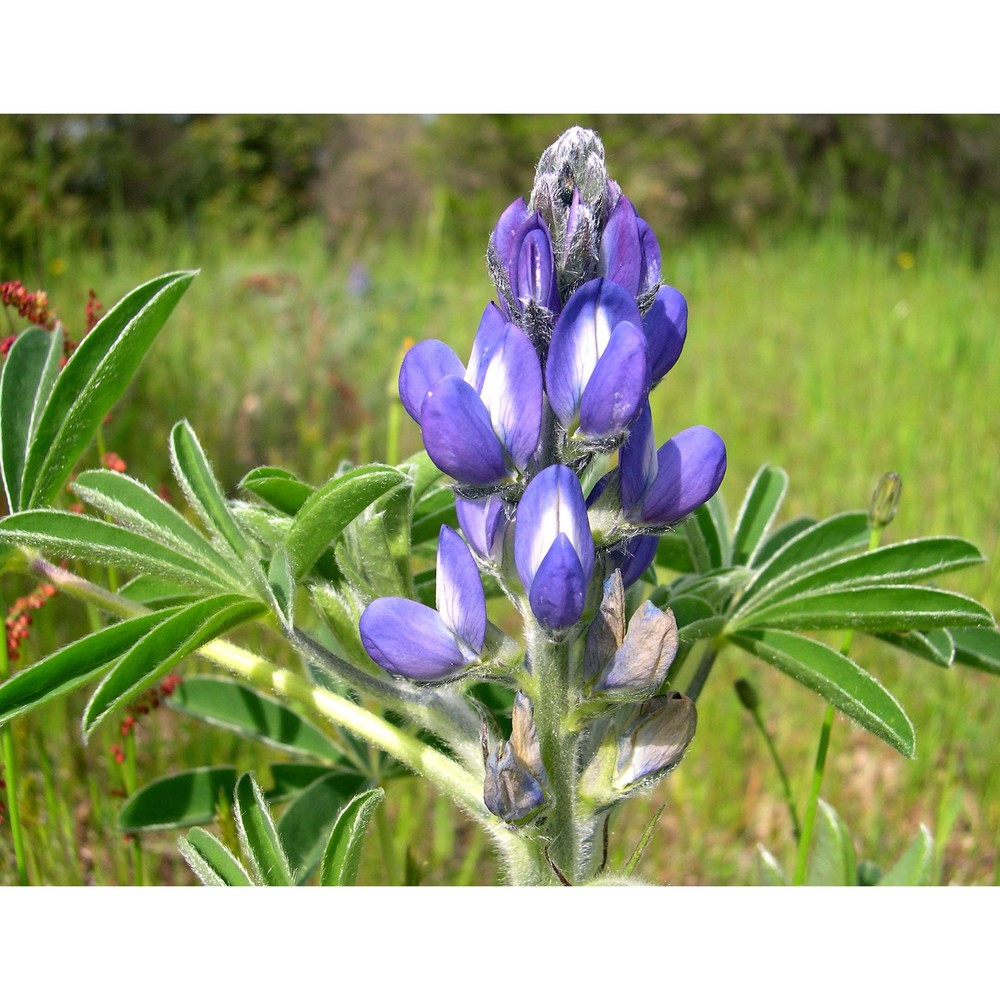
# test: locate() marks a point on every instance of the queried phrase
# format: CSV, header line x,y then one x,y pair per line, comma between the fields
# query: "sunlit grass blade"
x,y
28,375
760,506
343,850
211,861
178,800
73,665
202,489
916,864
837,679
640,848
867,609
162,648
234,706
304,827
259,836
331,508
977,647
137,507
92,381
77,536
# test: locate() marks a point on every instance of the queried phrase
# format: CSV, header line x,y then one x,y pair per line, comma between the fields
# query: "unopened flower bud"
x,y
747,694
885,500
655,741
645,748
641,665
607,630
515,773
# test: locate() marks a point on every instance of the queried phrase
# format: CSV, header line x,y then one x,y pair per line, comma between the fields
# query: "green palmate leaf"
x,y
27,379
904,562
822,542
179,635
422,471
916,864
832,860
279,579
73,665
779,538
204,493
290,778
674,552
343,850
436,508
331,508
977,647
935,646
76,536
284,491
92,381
234,706
760,505
178,800
837,679
210,860
374,550
156,593
708,535
305,826
258,835
868,609
138,508
716,586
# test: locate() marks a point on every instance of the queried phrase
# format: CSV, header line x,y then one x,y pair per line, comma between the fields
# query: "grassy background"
x,y
833,356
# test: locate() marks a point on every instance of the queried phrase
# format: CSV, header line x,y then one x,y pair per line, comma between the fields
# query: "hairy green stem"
x,y
130,777
461,785
702,674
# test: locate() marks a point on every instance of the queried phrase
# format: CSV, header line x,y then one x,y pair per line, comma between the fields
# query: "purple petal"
x,y
666,327
580,337
551,506
512,391
617,387
690,469
408,638
423,367
483,523
505,234
651,262
638,556
621,248
489,336
460,599
458,434
637,461
534,276
560,586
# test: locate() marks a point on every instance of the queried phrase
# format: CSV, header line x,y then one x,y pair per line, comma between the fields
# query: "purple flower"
x,y
553,547
596,374
665,326
484,524
408,638
481,424
630,255
663,486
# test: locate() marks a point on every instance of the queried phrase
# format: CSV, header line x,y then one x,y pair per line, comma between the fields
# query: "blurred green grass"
x,y
836,357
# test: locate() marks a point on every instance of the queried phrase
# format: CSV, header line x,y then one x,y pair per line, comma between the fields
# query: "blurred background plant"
x,y
842,276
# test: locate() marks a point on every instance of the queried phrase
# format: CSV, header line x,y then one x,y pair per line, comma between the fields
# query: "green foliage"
x,y
343,850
